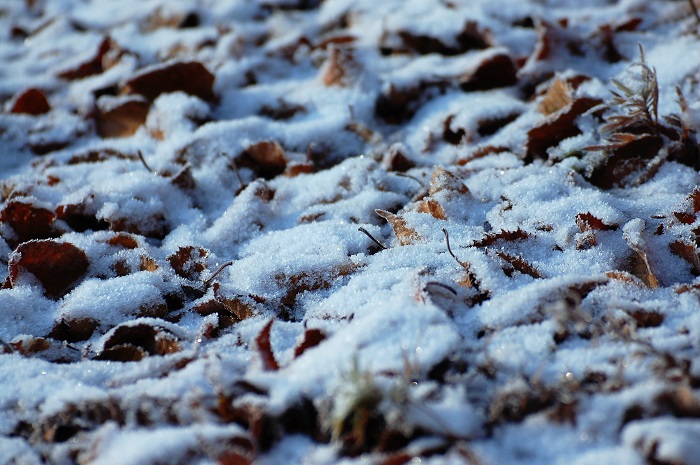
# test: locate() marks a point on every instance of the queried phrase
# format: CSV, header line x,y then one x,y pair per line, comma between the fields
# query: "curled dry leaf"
x,y
638,265
124,119
558,97
557,127
432,207
441,179
93,66
265,347
493,72
508,236
132,342
586,222
312,338
312,280
687,252
56,265
519,264
189,261
28,221
339,67
404,234
190,77
31,102
266,158
123,240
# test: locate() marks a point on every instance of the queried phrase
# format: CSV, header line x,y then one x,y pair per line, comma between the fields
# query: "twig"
x,y
449,249
382,246
216,273
143,161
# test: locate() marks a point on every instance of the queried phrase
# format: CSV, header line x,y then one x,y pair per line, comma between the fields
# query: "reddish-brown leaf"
x,y
191,77
338,68
267,158
508,236
56,265
404,234
31,102
432,207
559,126
189,261
91,67
124,119
586,222
123,240
494,72
312,338
685,218
558,97
520,264
441,179
687,252
265,347
28,221
131,342
73,330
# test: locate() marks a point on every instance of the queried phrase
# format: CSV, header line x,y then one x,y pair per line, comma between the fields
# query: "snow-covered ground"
x,y
319,232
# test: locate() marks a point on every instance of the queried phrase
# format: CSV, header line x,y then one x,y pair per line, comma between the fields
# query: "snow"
x,y
515,310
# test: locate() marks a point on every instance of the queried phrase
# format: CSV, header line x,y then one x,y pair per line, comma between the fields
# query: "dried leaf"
x,y
266,158
80,217
148,264
494,72
441,179
28,221
191,77
297,283
56,265
508,236
123,240
312,338
687,252
73,330
31,102
646,318
432,207
558,97
557,127
265,348
587,222
404,234
132,342
490,126
520,264
339,68
189,261
124,119
91,67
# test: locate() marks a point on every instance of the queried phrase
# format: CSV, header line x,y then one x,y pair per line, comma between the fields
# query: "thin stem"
x,y
143,161
216,273
449,249
382,246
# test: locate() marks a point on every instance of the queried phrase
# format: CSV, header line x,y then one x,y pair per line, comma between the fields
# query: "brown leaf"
x,y
191,77
73,330
441,179
508,236
189,261
404,234
91,67
520,264
493,72
131,342
167,18
156,226
123,240
265,348
557,127
238,306
646,318
558,97
80,217
490,126
687,252
148,264
432,207
57,265
266,158
312,338
28,221
312,280
124,119
31,102
339,67
638,265
586,222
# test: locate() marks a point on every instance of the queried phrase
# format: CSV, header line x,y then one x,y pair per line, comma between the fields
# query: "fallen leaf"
x,y
508,236
124,119
190,77
56,265
492,73
432,207
339,67
28,221
31,102
266,158
687,252
558,97
404,234
189,261
123,240
295,284
557,127
441,179
132,342
312,338
520,264
265,348
586,222
148,264
73,330
92,66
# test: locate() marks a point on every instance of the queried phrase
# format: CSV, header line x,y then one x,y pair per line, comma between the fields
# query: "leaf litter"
x,y
349,232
